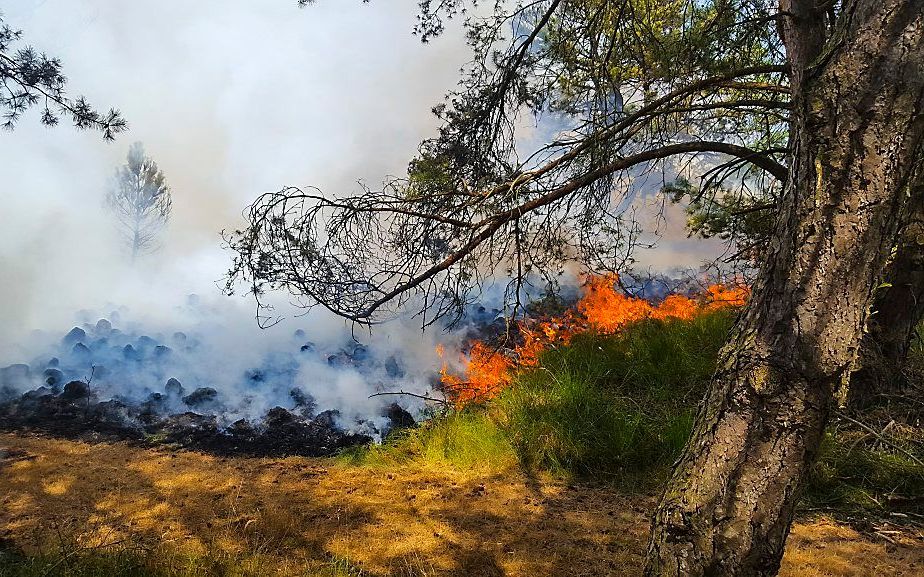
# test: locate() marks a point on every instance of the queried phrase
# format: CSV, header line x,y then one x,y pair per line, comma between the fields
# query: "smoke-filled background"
x,y
230,98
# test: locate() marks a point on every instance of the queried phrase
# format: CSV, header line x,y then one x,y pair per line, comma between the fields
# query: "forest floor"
x,y
164,512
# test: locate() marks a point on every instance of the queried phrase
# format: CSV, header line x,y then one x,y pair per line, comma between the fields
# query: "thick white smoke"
x,y
211,343
231,99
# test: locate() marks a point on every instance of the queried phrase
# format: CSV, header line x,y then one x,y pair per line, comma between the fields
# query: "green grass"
x,y
859,471
464,440
136,561
851,475
98,564
616,407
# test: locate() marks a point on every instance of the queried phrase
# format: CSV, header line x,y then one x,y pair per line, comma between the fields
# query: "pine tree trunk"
x,y
856,137
136,243
896,312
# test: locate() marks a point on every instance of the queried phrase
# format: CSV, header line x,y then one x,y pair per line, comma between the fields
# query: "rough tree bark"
x,y
896,312
856,136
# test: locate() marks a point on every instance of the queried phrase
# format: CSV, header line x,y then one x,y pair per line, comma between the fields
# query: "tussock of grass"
x,y
618,407
850,475
577,427
464,440
97,564
860,471
135,561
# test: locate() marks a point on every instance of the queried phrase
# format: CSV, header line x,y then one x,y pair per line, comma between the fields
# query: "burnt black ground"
x,y
74,413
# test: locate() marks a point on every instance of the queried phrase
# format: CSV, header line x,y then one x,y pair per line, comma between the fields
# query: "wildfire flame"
x,y
602,309
486,373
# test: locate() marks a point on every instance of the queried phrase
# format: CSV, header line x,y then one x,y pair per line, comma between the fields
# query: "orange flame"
x,y
602,309
676,306
607,310
486,373
720,296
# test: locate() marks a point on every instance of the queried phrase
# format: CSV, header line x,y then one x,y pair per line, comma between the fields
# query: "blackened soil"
x,y
75,414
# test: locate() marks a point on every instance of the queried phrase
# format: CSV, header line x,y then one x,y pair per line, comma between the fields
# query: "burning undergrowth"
x,y
313,393
603,308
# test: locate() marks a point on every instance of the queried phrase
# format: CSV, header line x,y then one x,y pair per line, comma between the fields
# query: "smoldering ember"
x,y
75,391
461,288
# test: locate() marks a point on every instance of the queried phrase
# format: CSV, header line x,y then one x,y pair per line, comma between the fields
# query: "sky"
x,y
231,98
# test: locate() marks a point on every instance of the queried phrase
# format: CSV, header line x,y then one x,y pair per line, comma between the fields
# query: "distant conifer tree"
x,y
140,201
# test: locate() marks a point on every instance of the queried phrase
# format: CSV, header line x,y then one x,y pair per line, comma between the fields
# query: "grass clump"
x,y
850,474
132,560
464,440
576,427
88,564
618,407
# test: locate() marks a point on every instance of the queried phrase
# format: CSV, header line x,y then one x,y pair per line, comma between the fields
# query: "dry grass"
x,y
823,547
300,516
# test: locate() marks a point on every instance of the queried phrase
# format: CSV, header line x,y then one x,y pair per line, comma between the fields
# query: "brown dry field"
x,y
296,514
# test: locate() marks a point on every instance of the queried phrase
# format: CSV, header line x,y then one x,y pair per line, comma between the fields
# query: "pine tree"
x,y
140,201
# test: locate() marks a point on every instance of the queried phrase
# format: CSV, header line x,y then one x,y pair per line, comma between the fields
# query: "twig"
x,y
68,554
86,413
879,436
415,395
